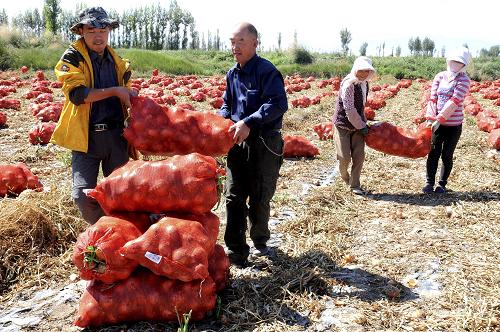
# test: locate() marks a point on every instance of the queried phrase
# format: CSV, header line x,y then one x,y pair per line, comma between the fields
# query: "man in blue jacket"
x,y
255,99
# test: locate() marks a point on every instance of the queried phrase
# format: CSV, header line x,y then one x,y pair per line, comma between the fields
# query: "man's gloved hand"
x,y
364,131
435,125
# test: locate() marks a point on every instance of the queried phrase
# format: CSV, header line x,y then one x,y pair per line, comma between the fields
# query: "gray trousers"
x,y
107,148
350,147
252,173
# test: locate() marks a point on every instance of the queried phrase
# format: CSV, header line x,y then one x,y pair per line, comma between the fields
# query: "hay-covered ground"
x,y
394,259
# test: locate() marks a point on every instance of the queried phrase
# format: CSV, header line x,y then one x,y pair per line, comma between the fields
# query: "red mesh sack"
x,y
369,113
180,183
3,119
140,220
209,221
404,83
51,112
39,75
41,133
299,146
156,130
41,88
173,248
494,139
144,296
473,109
217,102
375,103
324,130
12,180
10,103
397,141
44,97
32,181
497,102
487,123
6,90
218,267
96,251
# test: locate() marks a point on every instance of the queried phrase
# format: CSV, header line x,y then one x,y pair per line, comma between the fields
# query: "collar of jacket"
x,y
248,67
80,46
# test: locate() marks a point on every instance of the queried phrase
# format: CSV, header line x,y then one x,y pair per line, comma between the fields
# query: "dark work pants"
x,y
252,173
108,148
444,142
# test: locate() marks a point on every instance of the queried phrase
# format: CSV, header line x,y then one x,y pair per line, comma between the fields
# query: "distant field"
x,y
218,62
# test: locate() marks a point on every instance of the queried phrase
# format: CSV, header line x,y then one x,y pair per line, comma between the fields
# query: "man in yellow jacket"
x,y
96,86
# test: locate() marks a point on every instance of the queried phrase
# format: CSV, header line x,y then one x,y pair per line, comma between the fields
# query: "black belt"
x,y
264,133
105,126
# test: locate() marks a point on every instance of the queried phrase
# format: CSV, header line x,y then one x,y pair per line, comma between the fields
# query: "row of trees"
x,y
149,27
417,47
425,47
494,51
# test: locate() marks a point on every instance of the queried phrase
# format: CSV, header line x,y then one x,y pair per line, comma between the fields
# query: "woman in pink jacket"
x,y
445,114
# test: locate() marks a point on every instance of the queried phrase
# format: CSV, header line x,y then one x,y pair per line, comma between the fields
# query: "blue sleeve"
x,y
275,103
225,109
77,95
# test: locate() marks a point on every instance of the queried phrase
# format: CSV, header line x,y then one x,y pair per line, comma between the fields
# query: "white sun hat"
x,y
461,55
362,63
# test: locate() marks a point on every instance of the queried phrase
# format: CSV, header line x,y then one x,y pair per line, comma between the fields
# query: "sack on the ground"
x,y
144,296
299,146
324,130
218,267
494,139
14,179
41,133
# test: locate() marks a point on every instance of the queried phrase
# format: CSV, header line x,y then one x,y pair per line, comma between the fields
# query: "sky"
x,y
317,23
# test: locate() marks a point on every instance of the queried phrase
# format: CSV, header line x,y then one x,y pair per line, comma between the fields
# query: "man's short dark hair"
x,y
252,30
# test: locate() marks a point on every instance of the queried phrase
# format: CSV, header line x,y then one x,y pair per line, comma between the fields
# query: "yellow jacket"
x,y
75,69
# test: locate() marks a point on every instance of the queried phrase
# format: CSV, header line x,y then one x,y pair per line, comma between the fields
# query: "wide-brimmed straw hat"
x,y
96,17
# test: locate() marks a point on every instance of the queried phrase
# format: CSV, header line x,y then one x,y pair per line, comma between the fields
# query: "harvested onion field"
x,y
392,260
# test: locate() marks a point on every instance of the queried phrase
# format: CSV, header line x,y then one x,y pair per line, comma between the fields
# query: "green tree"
x,y
4,19
187,21
279,41
51,10
411,45
195,37
175,18
418,46
398,51
362,49
345,39
495,50
428,47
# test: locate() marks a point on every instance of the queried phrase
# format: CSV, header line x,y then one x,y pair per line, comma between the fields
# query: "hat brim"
x,y
100,24
457,59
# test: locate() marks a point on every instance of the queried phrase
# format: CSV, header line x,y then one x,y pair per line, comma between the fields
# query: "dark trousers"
x,y
444,142
252,172
108,148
